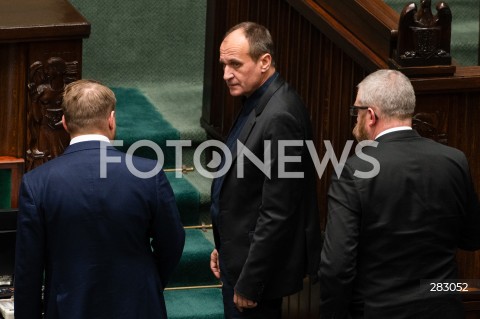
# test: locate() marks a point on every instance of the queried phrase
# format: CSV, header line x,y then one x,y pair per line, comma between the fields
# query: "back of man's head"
x,y
87,106
390,91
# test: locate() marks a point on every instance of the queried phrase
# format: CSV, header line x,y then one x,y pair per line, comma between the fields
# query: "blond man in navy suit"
x,y
103,239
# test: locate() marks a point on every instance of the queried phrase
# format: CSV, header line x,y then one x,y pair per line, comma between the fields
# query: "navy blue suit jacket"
x,y
104,247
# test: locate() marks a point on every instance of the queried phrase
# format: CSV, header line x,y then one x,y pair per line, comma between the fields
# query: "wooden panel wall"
x,y
454,106
13,75
454,115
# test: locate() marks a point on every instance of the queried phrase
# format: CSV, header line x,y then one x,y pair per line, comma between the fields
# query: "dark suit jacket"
x,y
268,233
389,236
90,238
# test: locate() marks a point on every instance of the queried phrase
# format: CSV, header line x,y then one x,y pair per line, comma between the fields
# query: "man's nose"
x,y
227,73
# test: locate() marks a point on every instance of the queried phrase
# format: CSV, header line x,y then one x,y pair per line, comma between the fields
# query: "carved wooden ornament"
x,y
46,137
424,38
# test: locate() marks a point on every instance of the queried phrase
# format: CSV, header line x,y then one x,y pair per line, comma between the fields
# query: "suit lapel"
x,y
276,84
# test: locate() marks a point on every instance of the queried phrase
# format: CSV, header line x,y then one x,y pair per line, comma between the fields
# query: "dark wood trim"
x,y
31,20
465,79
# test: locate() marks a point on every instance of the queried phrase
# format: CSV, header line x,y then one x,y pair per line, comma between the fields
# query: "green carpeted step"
x,y
180,104
194,266
201,183
152,54
138,120
203,186
205,303
187,198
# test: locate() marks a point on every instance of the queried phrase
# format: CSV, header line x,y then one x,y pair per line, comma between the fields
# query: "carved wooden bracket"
x,y
428,125
46,137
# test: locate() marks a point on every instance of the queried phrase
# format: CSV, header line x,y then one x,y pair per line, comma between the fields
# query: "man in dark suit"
x,y
397,215
102,238
265,222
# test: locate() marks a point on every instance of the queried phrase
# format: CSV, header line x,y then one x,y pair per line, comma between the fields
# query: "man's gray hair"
x,y
390,91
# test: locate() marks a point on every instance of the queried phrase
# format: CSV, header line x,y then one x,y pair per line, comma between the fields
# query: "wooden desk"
x,y
40,52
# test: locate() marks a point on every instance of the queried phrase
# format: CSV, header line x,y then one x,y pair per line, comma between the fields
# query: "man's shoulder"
x,y
111,157
47,166
285,99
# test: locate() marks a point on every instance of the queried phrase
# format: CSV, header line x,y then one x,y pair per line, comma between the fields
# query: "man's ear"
x,y
372,117
266,61
111,121
64,124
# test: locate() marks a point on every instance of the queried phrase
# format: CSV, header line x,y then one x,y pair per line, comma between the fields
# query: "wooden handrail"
x,y
364,29
367,31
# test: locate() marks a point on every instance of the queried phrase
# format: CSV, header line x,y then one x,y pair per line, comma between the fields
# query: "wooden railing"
x,y
362,29
324,49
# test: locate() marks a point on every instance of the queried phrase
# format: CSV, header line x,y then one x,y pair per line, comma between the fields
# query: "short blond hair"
x,y
87,105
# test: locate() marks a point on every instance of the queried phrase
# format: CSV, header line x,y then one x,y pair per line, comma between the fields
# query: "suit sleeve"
x,y
280,196
470,234
339,254
29,256
168,235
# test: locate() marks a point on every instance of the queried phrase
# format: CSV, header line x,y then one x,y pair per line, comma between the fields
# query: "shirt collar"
x,y
89,137
252,101
393,129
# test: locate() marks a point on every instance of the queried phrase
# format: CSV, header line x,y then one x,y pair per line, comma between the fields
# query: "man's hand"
x,y
214,265
241,302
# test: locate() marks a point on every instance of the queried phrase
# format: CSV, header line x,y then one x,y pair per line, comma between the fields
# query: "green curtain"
x,y
5,188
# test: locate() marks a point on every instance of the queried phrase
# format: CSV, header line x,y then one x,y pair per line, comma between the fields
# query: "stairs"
x,y
193,292
151,54
158,116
